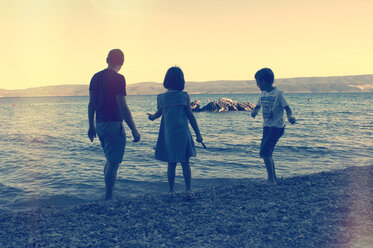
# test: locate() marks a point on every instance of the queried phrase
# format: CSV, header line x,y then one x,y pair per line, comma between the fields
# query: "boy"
x,y
107,99
273,103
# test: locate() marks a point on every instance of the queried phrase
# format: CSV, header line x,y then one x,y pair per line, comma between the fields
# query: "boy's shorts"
x,y
270,137
113,140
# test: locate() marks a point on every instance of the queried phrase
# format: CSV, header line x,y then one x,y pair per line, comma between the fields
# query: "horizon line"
x,y
192,81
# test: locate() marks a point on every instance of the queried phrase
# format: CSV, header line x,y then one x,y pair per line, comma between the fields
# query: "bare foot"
x,y
271,182
189,195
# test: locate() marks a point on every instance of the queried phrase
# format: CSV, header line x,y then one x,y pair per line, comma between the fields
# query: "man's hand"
x,y
136,136
292,120
91,133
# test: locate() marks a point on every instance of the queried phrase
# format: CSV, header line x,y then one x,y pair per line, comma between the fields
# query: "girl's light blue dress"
x,y
175,142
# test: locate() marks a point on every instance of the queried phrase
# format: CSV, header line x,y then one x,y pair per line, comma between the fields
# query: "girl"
x,y
175,143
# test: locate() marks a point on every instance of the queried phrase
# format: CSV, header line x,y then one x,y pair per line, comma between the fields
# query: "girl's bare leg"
x,y
171,176
187,174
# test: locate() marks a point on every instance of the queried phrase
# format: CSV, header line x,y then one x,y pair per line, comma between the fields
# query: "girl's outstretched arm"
x,y
154,116
193,121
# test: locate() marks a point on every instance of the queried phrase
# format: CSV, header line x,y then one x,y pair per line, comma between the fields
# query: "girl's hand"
x,y
199,138
150,117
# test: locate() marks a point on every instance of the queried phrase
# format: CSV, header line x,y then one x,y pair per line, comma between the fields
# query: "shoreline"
x,y
327,209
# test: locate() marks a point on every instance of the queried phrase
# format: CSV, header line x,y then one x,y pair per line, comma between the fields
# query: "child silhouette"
x,y
175,142
273,103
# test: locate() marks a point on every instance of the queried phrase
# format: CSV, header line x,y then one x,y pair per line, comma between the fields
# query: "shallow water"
x,y
47,158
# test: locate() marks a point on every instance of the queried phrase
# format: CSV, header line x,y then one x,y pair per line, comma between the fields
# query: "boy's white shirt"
x,y
272,102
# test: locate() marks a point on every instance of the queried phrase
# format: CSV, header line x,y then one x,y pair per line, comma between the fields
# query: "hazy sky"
x,y
50,42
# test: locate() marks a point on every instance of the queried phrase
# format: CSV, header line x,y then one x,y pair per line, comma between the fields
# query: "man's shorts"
x,y
270,137
113,140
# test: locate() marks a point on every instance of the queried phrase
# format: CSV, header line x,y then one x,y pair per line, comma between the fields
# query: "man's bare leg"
x,y
110,177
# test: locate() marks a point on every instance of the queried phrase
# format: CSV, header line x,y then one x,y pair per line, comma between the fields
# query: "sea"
x,y
46,158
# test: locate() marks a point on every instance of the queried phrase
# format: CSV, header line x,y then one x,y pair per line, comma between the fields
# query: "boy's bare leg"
x,y
110,177
187,174
273,168
171,176
270,166
105,167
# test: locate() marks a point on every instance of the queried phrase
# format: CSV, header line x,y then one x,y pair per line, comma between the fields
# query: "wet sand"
x,y
328,209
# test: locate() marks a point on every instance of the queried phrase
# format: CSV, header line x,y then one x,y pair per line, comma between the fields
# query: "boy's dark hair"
x,y
115,57
174,79
265,75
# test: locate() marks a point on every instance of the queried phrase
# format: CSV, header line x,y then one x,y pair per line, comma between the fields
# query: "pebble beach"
x,y
327,209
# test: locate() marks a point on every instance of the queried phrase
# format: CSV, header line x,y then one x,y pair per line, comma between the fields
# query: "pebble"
x,y
290,214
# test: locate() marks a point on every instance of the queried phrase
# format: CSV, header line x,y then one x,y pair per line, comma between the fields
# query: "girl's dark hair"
x,y
265,74
174,79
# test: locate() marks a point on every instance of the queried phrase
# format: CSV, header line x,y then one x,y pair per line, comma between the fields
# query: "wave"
x,y
30,139
38,141
230,148
314,150
124,189
7,191
32,202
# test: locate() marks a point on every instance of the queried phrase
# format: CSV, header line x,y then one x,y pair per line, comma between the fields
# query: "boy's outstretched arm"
x,y
193,121
289,114
127,116
255,111
154,116
91,117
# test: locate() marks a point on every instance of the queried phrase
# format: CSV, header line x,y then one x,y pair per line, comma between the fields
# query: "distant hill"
x,y
361,83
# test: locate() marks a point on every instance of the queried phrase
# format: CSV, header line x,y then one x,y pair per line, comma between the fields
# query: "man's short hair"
x,y
115,57
174,79
265,75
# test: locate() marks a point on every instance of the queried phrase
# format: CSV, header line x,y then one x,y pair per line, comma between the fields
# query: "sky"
x,y
53,42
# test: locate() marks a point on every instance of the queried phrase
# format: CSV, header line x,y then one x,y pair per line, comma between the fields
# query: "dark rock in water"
x,y
246,106
222,105
196,106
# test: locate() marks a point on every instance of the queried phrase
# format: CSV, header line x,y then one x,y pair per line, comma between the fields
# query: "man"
x,y
107,99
